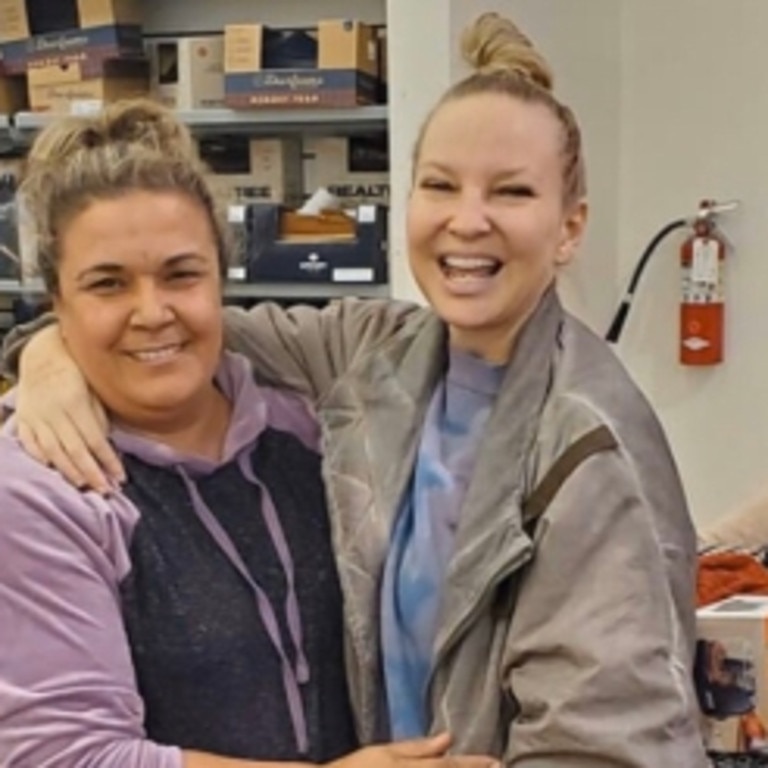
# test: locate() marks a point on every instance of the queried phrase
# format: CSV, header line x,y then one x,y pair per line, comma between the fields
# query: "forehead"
x,y
494,129
136,228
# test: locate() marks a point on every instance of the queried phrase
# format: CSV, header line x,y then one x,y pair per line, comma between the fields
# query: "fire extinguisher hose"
x,y
620,318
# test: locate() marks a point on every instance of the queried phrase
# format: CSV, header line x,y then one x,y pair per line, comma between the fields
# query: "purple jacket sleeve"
x,y
68,694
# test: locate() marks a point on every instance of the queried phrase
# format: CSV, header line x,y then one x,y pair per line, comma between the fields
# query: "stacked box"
x,y
76,53
337,66
731,675
268,169
24,19
187,72
354,169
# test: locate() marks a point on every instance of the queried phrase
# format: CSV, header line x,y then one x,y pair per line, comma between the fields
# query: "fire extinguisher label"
x,y
703,279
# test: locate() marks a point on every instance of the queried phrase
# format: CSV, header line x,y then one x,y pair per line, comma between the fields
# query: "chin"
x,y
469,315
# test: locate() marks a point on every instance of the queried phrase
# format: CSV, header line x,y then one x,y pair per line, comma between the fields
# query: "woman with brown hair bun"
x,y
514,545
193,618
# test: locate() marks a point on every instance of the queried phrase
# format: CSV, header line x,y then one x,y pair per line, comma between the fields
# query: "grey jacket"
x,y
567,623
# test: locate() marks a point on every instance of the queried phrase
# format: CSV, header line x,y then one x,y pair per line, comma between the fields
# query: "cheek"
x,y
420,219
202,314
90,327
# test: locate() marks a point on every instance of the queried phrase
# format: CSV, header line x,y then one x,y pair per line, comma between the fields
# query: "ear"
x,y
574,225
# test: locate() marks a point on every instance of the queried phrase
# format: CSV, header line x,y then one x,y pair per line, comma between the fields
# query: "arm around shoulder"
x,y
598,655
307,349
16,340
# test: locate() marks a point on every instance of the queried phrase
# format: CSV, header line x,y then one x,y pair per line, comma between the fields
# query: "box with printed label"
x,y
20,19
68,88
13,94
86,46
341,70
731,674
285,246
353,169
187,72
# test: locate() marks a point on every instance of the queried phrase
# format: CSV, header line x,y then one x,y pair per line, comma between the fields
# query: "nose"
x,y
469,216
151,307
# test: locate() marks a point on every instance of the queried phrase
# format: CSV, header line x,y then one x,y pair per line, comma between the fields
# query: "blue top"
x,y
424,534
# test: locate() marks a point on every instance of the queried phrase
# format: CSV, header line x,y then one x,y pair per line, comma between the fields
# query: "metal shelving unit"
x,y
253,123
297,291
7,139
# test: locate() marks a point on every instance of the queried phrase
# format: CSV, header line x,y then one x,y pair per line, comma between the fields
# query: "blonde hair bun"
x,y
493,44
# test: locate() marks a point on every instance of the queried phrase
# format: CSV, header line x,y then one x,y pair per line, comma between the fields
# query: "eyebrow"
x,y
115,268
503,173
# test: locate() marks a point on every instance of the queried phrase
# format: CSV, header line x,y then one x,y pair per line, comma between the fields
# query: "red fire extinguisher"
x,y
702,305
702,257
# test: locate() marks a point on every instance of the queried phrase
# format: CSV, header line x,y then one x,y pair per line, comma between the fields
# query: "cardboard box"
x,y
13,20
13,94
328,163
347,45
101,13
89,47
346,74
257,169
68,89
731,673
284,247
20,19
277,165
187,72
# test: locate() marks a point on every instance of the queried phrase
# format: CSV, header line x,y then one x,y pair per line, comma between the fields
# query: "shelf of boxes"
x,y
278,291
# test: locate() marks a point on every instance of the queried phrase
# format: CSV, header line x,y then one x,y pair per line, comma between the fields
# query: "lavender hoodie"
x,y
182,612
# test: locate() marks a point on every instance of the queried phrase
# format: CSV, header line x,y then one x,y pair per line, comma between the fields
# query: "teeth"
x,y
157,355
469,262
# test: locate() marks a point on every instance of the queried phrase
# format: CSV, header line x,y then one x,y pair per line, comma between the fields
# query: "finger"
x,y
29,443
79,455
55,455
93,452
460,761
431,746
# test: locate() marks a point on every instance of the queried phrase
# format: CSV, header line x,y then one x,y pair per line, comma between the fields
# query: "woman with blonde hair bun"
x,y
513,542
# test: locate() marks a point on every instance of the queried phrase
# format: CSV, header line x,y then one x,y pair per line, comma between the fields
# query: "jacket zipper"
x,y
467,620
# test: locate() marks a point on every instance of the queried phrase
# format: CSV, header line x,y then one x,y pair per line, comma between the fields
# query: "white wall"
x,y
694,119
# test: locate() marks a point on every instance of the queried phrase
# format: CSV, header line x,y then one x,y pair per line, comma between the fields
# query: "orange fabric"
x,y
725,574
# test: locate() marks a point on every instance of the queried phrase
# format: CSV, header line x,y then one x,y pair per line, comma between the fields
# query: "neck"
x,y
493,348
198,429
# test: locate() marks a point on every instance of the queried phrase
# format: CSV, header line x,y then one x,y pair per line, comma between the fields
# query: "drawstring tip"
x,y
302,671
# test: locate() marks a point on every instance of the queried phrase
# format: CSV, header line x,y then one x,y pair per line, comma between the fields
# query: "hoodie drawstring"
x,y
293,677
